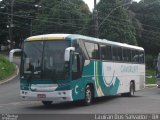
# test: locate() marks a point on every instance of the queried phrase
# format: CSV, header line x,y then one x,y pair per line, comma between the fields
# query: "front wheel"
x,y
88,95
47,103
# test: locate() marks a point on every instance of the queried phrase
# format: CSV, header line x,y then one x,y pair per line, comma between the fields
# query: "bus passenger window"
x,y
114,53
119,53
135,56
141,57
109,54
96,52
125,58
106,52
128,55
103,52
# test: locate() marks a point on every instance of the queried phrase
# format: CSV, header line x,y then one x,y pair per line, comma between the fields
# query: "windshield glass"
x,y
44,60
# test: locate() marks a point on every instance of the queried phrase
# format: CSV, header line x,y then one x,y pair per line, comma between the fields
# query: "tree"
x,y
70,16
3,24
23,11
147,12
115,23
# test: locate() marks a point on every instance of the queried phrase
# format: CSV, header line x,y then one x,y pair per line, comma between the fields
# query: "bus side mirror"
x,y
67,53
11,53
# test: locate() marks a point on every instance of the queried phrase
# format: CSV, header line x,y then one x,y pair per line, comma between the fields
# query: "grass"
x,y
150,76
6,68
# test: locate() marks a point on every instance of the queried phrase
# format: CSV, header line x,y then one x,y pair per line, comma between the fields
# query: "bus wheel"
x,y
132,89
131,92
47,103
88,95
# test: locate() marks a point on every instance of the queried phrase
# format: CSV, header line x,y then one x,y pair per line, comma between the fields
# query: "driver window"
x,y
75,64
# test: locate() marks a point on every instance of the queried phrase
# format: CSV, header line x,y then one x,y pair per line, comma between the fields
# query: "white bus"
x,y
69,67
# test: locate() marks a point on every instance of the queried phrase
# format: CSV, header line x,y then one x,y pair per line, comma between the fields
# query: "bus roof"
x,y
48,37
76,36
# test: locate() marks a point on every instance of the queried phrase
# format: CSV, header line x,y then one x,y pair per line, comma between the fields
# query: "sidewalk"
x,y
151,85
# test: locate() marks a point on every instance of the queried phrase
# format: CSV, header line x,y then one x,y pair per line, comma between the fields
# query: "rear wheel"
x,y
47,103
132,89
131,92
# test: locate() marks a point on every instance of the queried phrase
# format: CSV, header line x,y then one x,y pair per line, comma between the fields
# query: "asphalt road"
x,y
145,101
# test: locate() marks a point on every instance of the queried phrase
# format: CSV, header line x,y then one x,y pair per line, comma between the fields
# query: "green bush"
x,y
6,68
149,61
150,76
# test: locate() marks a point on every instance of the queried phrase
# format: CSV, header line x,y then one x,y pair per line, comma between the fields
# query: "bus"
x,y
69,67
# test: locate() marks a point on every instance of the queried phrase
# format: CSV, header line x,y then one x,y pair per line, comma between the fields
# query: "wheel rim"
x,y
88,96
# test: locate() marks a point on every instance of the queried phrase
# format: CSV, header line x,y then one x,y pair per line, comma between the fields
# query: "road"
x,y
145,101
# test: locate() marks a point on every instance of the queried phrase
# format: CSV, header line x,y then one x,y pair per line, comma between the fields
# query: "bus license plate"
x,y
41,95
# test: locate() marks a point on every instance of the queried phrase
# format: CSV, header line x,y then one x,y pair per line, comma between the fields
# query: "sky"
x,y
91,3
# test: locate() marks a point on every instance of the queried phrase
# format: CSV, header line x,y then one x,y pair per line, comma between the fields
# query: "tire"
x,y
47,103
131,92
132,89
88,95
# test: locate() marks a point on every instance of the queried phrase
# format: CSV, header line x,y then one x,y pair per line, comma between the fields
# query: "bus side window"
x,y
114,53
96,52
129,55
83,49
76,66
119,53
92,50
103,52
135,56
106,52
124,54
109,52
141,57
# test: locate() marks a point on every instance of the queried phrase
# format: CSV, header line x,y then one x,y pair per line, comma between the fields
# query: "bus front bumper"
x,y
56,96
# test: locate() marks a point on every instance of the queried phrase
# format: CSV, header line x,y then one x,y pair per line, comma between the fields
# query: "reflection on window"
x,y
33,57
54,59
45,59
92,50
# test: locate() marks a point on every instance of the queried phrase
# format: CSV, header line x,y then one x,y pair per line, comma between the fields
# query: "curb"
x,y
12,77
151,85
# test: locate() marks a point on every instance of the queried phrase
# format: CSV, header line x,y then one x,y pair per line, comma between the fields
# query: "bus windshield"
x,y
44,60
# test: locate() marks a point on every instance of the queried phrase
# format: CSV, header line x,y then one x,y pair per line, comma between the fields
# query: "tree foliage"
x,y
136,23
147,12
22,14
69,16
32,17
115,23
